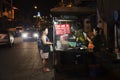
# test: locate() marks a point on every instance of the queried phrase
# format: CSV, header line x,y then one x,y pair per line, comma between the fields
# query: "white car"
x,y
30,35
6,37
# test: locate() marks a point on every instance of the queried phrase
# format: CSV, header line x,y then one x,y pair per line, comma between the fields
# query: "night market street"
x,y
22,62
79,38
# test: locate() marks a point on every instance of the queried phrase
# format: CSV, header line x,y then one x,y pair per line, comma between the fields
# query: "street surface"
x,y
22,62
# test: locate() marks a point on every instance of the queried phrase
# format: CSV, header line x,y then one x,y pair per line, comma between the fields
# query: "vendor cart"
x,y
70,47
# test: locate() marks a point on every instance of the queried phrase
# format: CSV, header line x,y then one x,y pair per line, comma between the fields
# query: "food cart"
x,y
70,46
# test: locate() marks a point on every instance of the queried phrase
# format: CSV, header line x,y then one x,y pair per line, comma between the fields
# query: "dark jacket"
x,y
97,41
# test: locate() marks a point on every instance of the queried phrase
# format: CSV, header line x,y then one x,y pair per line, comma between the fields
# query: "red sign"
x,y
62,29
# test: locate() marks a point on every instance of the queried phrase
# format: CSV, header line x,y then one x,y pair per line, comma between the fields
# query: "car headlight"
x,y
24,35
36,35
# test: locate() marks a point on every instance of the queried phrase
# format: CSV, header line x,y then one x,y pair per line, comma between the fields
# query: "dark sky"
x,y
25,11
27,6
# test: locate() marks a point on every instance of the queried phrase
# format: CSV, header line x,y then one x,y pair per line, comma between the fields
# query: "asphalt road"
x,y
22,62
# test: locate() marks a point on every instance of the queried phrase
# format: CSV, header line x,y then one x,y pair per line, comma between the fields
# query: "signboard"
x,y
62,29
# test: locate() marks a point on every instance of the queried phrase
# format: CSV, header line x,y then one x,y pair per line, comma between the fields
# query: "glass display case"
x,y
68,34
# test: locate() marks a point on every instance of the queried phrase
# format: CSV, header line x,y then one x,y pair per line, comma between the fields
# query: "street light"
x,y
35,7
35,4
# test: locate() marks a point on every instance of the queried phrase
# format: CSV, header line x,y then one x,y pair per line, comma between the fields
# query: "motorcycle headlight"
x,y
36,35
24,35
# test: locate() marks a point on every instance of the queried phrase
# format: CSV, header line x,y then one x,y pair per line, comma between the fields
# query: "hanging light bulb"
x,y
70,4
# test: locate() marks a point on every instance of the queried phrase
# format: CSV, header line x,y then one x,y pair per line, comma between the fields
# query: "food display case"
x,y
68,34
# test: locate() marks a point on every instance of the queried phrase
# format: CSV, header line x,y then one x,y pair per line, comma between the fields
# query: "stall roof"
x,y
73,10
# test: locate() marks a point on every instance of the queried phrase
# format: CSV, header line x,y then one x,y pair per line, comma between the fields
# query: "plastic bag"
x,y
90,45
51,48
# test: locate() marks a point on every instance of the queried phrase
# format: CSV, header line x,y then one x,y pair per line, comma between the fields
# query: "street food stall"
x,y
70,46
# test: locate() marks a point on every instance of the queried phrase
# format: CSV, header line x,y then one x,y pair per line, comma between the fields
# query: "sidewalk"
x,y
110,63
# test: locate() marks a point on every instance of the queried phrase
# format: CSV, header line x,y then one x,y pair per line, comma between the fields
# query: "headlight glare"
x,y
35,35
24,35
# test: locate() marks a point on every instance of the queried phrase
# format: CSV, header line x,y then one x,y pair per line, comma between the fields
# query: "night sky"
x,y
27,6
